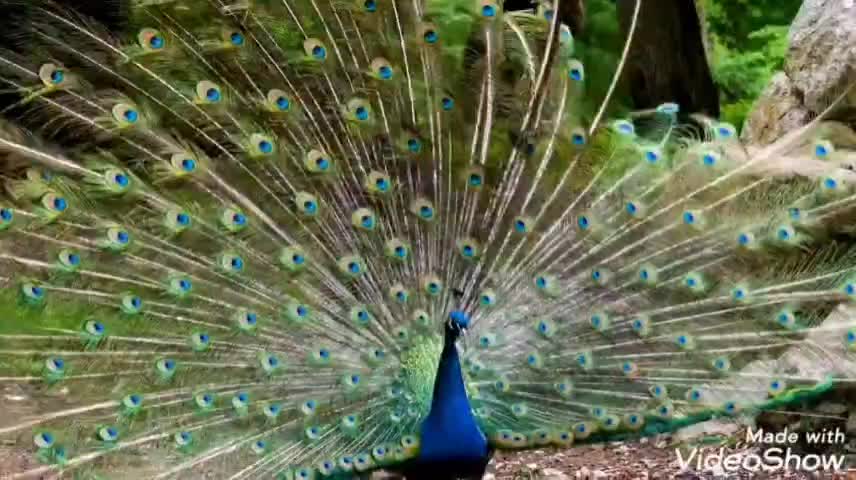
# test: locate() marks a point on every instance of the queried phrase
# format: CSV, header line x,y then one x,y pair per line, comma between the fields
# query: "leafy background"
x,y
748,42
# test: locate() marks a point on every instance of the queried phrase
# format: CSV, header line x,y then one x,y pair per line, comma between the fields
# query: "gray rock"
x,y
851,423
821,61
384,475
822,52
779,110
831,408
711,427
553,474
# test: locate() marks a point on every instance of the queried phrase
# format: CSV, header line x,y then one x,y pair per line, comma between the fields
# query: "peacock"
x,y
307,239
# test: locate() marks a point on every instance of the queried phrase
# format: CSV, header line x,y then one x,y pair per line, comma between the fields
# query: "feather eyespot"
x,y
151,40
315,49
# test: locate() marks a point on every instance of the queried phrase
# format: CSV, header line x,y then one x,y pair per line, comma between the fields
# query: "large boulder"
x,y
777,111
820,63
822,54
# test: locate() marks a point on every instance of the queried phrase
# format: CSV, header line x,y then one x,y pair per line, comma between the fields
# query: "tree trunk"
x,y
668,59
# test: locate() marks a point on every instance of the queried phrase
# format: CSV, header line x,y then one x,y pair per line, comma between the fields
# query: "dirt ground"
x,y
649,460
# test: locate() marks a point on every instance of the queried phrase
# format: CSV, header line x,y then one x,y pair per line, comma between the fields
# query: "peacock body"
x,y
307,239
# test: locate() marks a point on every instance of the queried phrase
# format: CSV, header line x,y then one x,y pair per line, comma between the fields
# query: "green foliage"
x,y
743,74
599,48
734,21
749,44
749,41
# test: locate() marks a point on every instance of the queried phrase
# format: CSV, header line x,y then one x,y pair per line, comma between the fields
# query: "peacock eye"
x,y
131,115
212,95
652,156
282,103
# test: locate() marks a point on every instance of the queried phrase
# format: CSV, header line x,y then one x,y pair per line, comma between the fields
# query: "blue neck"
x,y
450,432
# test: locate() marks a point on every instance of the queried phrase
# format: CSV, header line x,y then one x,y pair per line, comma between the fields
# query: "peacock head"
x,y
457,324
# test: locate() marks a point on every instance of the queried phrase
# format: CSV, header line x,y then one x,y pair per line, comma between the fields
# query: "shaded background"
x,y
709,56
